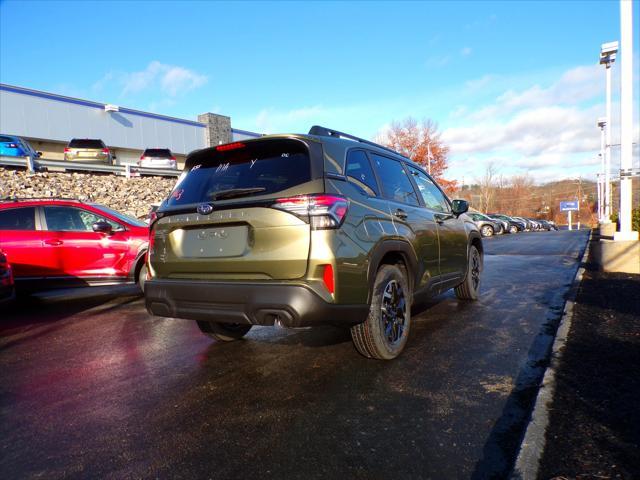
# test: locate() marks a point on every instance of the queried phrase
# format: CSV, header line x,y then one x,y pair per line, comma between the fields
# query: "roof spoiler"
x,y
327,132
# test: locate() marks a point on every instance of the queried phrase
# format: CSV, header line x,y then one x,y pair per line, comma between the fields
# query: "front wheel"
x,y
384,333
513,229
469,289
224,332
487,231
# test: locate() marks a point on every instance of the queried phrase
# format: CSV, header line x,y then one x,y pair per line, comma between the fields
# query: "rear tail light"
x,y
12,145
324,211
173,158
327,278
67,150
105,150
152,233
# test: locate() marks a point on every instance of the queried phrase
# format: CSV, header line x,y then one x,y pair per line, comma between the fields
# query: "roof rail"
x,y
327,132
28,199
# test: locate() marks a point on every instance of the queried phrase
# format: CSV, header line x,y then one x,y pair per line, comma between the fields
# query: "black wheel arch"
x,y
137,264
393,252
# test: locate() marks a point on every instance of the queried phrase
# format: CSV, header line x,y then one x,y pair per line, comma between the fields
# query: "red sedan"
x,y
57,243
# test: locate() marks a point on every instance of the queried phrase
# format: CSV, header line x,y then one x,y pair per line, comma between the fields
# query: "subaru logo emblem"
x,y
205,209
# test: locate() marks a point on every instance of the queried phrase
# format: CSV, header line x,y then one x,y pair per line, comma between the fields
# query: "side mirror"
x,y
102,227
459,207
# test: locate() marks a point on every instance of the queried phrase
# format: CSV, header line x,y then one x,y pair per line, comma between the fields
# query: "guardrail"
x,y
35,164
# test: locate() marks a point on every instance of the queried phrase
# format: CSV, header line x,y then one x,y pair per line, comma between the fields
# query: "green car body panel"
x,y
250,261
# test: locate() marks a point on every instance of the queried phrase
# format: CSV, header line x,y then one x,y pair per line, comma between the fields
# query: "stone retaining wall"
x,y
132,196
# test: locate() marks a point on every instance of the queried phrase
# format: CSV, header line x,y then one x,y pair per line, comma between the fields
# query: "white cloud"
x,y
171,80
466,51
545,129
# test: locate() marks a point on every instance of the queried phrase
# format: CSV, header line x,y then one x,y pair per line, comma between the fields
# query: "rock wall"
x,y
133,196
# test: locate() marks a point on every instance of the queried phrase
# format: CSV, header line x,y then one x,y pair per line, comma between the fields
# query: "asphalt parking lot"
x,y
98,388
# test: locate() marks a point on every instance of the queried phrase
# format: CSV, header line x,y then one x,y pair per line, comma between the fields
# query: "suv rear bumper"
x,y
255,303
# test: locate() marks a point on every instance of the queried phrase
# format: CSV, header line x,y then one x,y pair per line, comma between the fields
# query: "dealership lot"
x,y
98,388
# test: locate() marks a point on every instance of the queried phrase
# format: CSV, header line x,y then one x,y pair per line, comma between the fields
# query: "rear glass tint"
x,y
6,139
85,143
18,219
266,166
157,152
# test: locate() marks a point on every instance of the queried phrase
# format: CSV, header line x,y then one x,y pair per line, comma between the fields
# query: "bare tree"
x,y
487,186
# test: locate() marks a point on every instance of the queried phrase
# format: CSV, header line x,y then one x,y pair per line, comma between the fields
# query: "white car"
x,y
158,158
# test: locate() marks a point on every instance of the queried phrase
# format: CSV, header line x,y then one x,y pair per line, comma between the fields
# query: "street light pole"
x,y
608,53
626,120
602,123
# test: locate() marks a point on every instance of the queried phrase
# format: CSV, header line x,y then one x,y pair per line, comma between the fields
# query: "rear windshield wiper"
x,y
235,192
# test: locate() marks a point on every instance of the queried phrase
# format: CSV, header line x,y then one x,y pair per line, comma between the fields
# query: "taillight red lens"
x,y
324,211
230,146
67,150
173,158
105,150
327,278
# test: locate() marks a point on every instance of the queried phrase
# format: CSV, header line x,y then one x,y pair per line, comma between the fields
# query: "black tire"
x,y
224,332
469,289
142,277
486,231
513,229
383,335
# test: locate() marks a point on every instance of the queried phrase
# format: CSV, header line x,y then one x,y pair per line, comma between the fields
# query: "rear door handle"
x,y
401,214
54,242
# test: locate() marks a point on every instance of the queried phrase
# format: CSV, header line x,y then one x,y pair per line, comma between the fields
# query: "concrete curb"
x,y
533,443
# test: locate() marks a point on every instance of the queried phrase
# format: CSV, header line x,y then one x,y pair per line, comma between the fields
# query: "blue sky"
x,y
515,84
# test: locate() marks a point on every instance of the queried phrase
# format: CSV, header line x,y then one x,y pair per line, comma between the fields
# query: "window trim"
x,y
45,227
373,170
415,186
36,219
411,182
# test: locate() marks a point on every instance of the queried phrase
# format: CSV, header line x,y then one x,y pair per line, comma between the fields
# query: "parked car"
x,y
12,146
158,158
301,230
63,242
503,223
7,289
553,225
547,225
528,225
487,226
88,150
515,226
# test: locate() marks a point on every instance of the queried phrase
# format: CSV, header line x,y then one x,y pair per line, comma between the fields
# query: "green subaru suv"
x,y
302,230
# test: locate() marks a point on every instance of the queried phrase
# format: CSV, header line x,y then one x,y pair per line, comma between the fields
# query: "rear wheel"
x,y
487,231
224,332
470,288
384,334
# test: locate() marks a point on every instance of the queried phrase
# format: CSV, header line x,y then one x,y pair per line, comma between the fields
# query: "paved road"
x,y
97,388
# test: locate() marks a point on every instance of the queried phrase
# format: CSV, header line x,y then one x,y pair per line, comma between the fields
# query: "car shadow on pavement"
x,y
22,320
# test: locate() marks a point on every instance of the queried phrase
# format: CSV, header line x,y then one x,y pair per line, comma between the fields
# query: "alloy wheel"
x,y
394,312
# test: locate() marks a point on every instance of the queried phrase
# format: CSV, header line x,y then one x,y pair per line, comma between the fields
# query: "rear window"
x,y
6,139
157,152
18,219
258,168
85,143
